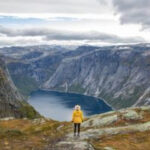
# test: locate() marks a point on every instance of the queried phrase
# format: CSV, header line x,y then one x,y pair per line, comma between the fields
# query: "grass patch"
x,y
27,134
131,141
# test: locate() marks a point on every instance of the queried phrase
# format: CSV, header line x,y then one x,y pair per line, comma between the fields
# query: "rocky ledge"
x,y
97,129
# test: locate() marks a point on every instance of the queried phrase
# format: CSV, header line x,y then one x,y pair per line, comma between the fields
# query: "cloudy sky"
x,y
74,22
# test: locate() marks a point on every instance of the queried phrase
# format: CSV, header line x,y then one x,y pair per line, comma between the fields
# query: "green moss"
x,y
13,132
46,127
10,133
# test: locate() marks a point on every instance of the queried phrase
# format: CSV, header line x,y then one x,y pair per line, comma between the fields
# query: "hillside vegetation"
x,y
126,129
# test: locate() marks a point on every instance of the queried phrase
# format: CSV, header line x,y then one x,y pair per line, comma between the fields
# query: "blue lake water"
x,y
59,105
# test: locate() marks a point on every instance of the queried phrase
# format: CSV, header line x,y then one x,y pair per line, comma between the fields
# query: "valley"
x,y
117,74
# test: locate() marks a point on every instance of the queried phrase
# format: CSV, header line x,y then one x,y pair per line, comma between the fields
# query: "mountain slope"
x,y
11,102
121,77
29,72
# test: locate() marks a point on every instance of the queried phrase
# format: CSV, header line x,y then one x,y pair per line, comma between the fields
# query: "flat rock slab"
x,y
98,121
96,133
72,145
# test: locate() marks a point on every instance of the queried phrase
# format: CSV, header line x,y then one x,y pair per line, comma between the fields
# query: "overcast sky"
x,y
71,22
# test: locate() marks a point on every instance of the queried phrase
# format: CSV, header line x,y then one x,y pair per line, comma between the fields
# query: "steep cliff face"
x,y
121,77
30,70
11,102
118,74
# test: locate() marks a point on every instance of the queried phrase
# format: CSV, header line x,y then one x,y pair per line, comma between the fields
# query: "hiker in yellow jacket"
x,y
77,119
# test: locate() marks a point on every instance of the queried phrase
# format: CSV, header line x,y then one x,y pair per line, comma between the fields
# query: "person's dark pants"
x,y
76,128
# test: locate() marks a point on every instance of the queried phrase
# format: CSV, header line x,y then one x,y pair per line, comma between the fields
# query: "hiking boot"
x,y
78,134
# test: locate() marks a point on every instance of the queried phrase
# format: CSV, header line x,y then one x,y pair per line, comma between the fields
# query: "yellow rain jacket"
x,y
77,116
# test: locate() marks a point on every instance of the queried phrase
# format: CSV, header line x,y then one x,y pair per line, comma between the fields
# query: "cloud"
x,y
49,6
133,11
8,31
20,41
47,34
92,36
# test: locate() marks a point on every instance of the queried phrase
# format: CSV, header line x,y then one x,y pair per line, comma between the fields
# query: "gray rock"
x,y
73,145
145,108
7,118
108,148
96,133
132,115
100,121
130,128
39,121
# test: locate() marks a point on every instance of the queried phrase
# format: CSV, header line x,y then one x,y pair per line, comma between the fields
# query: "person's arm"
x,y
72,116
82,117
